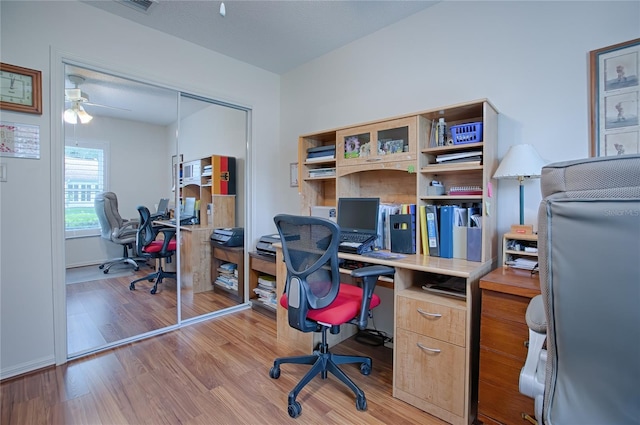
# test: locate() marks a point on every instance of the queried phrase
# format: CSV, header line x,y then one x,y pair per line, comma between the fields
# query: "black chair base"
x,y
323,362
125,259
157,276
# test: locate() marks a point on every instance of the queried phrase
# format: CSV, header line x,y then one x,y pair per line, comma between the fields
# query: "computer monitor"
x,y
162,206
358,214
189,209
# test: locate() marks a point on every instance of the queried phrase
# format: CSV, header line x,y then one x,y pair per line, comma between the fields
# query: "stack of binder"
x,y
321,153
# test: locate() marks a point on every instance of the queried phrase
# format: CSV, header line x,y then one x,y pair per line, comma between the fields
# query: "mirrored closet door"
x,y
131,140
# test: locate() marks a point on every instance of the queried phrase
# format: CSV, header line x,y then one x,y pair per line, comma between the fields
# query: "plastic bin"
x,y
466,133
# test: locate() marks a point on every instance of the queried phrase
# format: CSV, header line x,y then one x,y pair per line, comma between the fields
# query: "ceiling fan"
x,y
78,98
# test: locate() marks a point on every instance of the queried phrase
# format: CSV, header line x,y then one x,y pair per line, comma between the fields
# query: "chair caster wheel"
x,y
136,269
365,369
101,266
153,290
361,404
132,287
106,271
295,409
274,372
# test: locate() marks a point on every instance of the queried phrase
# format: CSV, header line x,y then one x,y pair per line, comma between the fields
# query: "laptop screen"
x,y
189,208
358,214
162,206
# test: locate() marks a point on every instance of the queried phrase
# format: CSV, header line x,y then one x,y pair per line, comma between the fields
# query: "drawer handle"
x,y
431,350
374,159
424,313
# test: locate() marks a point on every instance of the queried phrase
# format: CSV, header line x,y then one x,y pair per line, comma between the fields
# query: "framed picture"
x,y
293,174
615,99
21,89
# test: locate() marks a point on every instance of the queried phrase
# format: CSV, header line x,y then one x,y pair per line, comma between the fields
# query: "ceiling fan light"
x,y
83,115
70,116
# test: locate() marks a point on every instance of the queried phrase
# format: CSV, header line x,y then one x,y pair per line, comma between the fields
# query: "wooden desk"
x,y
195,256
443,384
506,293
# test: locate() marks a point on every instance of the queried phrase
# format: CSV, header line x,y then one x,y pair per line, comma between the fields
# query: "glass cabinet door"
x,y
393,140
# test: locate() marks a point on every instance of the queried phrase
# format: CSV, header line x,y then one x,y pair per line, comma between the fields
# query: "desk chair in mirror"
x,y
116,229
150,247
316,300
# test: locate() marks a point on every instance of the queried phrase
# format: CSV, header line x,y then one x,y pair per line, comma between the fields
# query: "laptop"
x,y
188,212
358,222
163,209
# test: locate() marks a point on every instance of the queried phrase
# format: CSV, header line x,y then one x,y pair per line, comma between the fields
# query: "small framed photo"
x,y
293,174
615,99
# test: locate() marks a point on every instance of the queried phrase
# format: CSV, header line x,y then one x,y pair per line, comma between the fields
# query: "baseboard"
x,y
27,367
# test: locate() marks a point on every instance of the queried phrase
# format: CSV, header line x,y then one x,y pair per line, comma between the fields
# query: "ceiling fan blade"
x,y
106,106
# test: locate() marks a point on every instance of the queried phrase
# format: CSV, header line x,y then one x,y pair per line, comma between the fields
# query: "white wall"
x,y
224,129
137,173
27,272
529,58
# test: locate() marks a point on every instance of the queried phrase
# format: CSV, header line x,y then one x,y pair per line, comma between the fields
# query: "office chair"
x,y
115,229
588,245
150,248
316,301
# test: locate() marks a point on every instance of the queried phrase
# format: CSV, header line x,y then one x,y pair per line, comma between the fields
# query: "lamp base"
x,y
522,229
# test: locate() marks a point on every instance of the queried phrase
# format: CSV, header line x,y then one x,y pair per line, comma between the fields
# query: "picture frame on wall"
x,y
615,99
293,174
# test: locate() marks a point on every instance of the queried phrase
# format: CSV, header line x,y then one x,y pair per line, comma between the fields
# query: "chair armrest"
x,y
168,234
536,319
369,275
532,375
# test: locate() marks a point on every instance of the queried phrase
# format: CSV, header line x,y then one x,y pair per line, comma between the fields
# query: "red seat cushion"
x,y
345,307
156,246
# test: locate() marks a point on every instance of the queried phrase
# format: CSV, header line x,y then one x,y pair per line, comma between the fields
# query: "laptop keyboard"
x,y
354,237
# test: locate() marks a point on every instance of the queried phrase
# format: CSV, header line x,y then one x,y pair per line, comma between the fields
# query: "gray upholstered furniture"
x,y
589,253
115,229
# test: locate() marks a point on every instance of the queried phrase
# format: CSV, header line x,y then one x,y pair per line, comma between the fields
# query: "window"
x,y
85,175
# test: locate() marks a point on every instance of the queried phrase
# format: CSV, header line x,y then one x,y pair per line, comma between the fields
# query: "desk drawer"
x,y
505,337
434,373
435,320
503,405
506,306
264,266
228,256
500,369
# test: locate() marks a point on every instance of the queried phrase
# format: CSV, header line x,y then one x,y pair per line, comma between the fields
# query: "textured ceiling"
x,y
274,35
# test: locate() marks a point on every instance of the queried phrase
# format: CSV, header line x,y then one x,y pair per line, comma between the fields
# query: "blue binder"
x,y
447,219
432,231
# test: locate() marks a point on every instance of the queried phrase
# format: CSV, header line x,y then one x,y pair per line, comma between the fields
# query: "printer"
x,y
228,236
265,244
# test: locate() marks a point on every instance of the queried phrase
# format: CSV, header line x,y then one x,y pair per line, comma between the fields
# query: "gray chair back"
x,y
589,253
111,223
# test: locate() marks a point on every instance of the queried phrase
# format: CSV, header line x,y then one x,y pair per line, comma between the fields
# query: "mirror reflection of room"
x,y
121,153
211,140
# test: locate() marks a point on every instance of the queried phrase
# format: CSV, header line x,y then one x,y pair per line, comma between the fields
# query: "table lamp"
x,y
521,162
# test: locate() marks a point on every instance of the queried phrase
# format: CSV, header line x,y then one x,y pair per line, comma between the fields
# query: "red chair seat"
x,y
345,307
156,246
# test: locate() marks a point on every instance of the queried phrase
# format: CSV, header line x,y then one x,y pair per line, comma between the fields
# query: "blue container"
x,y
466,133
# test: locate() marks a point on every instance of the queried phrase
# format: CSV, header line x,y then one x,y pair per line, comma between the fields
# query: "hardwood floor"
x,y
105,310
212,372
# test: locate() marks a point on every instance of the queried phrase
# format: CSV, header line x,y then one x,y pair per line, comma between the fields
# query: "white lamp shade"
x,y
70,116
76,112
520,161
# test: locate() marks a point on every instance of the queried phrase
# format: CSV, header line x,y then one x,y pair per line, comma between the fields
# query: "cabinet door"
x,y
431,370
386,141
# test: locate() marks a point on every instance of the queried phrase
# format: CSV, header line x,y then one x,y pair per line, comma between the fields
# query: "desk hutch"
x,y
436,337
